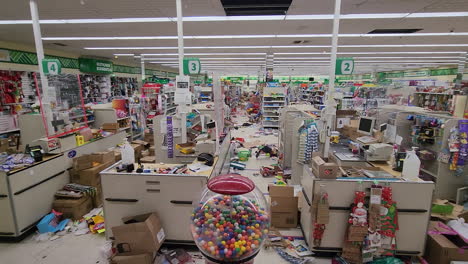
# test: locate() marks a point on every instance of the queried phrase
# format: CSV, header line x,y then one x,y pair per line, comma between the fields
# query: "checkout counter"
x,y
27,193
168,189
413,198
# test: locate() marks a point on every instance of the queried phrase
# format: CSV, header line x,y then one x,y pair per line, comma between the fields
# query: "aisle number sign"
x,y
51,66
344,66
192,66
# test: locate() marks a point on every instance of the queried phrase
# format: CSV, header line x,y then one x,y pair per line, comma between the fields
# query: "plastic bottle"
x,y
128,154
411,165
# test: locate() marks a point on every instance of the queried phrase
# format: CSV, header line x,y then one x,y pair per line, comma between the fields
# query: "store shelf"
x,y
123,128
79,116
84,123
118,119
273,101
10,131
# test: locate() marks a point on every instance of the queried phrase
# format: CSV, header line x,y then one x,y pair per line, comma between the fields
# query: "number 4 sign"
x,y
51,66
344,66
192,66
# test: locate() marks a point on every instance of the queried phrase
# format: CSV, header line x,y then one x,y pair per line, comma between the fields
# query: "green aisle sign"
x,y
192,66
51,66
88,65
344,66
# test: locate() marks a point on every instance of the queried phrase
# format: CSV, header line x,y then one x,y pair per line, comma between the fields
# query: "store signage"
x,y
344,66
4,55
95,66
192,66
51,66
422,73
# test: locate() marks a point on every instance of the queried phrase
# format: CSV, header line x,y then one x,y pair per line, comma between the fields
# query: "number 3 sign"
x,y
192,66
344,66
51,66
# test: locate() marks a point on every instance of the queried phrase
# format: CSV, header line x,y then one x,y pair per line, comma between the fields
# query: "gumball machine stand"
x,y
231,221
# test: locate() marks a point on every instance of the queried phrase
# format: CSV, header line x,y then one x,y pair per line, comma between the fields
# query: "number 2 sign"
x,y
344,66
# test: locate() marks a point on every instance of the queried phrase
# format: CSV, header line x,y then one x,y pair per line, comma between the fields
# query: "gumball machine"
x,y
231,221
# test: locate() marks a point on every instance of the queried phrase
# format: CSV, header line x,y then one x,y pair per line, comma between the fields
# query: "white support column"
x,y
180,36
143,73
330,109
180,42
40,56
218,107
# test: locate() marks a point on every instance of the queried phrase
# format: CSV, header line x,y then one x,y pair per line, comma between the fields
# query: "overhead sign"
x,y
95,66
51,66
4,55
344,66
192,66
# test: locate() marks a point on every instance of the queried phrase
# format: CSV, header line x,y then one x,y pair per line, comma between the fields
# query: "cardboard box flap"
x,y
443,241
281,191
318,161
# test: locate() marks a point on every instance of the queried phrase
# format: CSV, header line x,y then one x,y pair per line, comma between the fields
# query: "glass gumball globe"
x,y
231,221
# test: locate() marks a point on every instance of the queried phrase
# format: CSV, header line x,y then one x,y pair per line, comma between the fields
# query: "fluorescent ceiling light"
x,y
124,54
206,59
240,18
365,53
203,54
281,46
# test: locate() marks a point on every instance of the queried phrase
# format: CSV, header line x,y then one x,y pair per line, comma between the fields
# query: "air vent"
x,y
59,44
255,7
301,41
395,31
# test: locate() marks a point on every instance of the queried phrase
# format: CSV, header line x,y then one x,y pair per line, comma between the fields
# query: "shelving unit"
x,y
122,86
206,95
274,100
96,89
169,103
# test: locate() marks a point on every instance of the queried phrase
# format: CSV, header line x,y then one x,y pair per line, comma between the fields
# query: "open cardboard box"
x,y
139,234
442,248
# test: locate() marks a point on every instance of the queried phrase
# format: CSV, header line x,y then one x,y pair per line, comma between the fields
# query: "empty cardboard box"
x,y
283,206
139,234
73,208
442,249
322,169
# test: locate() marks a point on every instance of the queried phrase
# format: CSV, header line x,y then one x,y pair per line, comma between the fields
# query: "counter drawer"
x,y
174,190
32,203
122,186
23,179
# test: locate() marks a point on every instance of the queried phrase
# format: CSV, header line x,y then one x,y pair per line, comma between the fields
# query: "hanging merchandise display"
x,y
388,222
322,217
230,223
308,141
357,229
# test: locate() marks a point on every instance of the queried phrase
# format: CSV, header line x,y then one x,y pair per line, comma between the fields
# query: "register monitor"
x,y
366,124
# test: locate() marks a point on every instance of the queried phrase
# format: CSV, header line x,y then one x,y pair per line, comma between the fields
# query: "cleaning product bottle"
x,y
128,153
411,165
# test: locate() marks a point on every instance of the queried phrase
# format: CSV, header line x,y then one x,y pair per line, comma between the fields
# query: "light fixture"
x,y
283,46
376,53
258,36
240,18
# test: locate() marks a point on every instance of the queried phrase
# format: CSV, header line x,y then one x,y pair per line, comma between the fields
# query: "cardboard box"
x,y
148,159
103,157
283,206
456,212
152,150
442,249
111,126
141,142
142,234
82,162
91,176
73,208
4,144
135,259
149,137
138,148
322,169
117,154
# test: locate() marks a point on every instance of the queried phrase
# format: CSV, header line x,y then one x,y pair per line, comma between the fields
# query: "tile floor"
x,y
86,249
